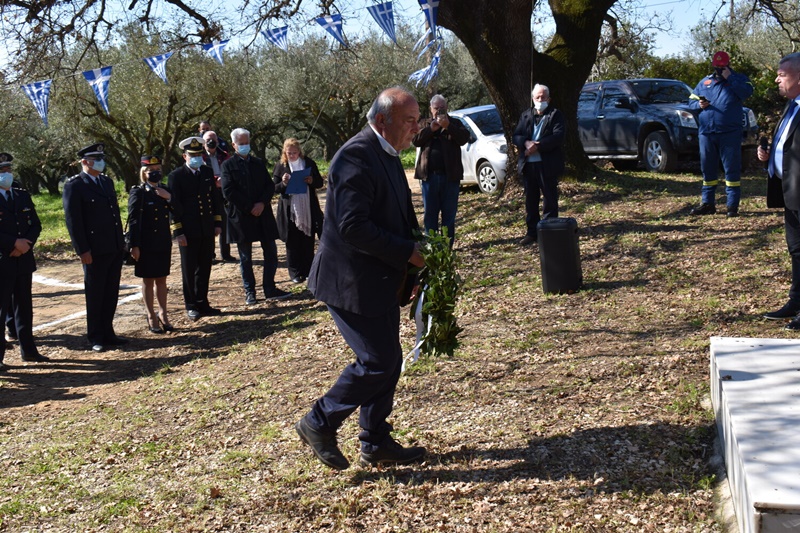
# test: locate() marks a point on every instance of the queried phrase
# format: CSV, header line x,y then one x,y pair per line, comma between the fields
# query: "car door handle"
x,y
601,117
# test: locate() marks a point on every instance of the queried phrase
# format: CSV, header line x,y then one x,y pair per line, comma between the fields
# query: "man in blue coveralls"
x,y
720,96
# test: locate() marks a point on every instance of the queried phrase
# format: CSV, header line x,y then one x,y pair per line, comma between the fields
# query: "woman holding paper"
x,y
299,218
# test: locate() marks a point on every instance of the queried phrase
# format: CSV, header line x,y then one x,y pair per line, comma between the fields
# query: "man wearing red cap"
x,y
719,99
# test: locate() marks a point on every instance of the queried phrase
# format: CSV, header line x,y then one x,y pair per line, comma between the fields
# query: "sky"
x,y
685,15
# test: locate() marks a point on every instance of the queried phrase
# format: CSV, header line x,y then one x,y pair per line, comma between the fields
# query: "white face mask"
x,y
540,106
6,179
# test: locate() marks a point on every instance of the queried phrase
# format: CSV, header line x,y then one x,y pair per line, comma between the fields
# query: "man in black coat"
x,y
19,229
784,165
539,138
91,212
196,222
248,189
359,270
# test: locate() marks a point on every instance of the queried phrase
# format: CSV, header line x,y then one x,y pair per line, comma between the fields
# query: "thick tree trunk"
x,y
498,37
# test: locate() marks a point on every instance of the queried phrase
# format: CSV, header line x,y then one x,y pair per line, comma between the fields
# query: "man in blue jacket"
x,y
720,102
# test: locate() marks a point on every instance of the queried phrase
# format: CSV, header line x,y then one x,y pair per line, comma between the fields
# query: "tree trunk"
x,y
498,37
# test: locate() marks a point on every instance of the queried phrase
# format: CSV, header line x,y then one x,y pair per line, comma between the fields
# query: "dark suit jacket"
x,y
367,238
791,163
197,210
21,223
148,219
246,182
285,201
452,139
551,140
92,215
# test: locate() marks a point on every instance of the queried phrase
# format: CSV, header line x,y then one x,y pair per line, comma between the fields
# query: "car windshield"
x,y
656,91
487,121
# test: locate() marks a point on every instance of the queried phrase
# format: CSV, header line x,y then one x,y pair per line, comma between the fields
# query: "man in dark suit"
x,y
539,138
359,269
248,189
214,156
784,165
92,216
196,222
19,229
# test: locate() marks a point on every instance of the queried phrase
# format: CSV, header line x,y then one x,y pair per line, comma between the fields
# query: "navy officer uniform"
x,y
93,221
196,222
18,222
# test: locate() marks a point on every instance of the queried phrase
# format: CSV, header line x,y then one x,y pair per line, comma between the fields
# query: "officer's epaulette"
x,y
73,178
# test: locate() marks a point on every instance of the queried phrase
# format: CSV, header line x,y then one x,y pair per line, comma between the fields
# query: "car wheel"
x,y
487,178
625,164
659,155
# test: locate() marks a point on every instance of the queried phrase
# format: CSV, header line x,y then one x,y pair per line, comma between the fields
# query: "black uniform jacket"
x,y
245,182
148,219
197,211
92,215
285,200
21,223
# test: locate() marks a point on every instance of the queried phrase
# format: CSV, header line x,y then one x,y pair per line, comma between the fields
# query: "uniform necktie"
x,y
781,128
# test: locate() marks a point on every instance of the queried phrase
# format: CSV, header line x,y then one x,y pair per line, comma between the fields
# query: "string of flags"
x,y
99,79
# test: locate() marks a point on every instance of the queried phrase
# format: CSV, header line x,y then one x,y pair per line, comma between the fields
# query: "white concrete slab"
x,y
755,391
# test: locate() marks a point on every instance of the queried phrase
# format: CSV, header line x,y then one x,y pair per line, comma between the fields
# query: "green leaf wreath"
x,y
441,284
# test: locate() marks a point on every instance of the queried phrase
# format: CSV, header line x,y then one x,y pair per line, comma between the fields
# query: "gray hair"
x,y
543,87
438,98
794,61
238,132
384,103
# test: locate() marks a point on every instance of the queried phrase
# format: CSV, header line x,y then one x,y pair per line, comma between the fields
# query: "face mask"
x,y
540,106
99,166
243,149
718,72
154,176
211,144
195,162
6,178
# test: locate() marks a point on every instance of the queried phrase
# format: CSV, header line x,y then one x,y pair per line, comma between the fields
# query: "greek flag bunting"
x,y
333,25
431,10
158,64
98,79
384,16
39,95
277,36
425,75
215,49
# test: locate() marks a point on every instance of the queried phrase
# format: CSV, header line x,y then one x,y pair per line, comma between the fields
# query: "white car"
x,y
485,155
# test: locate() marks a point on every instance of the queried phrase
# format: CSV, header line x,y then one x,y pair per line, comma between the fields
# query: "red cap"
x,y
721,59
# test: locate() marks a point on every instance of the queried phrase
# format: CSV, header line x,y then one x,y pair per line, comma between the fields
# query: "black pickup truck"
x,y
647,120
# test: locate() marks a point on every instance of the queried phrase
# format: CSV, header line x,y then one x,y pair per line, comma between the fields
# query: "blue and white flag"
x,y
98,79
277,36
425,75
39,95
215,49
384,16
333,24
159,64
431,10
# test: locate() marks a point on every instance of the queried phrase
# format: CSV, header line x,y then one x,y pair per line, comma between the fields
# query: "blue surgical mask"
x,y
195,162
243,149
6,179
99,166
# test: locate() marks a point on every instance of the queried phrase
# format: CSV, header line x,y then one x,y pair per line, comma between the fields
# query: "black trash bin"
x,y
559,255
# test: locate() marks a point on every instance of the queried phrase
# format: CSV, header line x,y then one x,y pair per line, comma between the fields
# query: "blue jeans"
x,y
439,195
725,147
246,266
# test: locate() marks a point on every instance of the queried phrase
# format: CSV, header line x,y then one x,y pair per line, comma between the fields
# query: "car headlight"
x,y
501,146
686,119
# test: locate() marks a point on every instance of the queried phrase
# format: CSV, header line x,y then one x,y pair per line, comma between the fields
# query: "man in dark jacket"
x,y
196,222
248,189
214,156
19,229
91,212
539,138
439,167
784,165
366,246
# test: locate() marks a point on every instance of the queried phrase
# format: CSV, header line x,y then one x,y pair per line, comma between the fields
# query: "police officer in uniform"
x,y
92,215
19,229
196,222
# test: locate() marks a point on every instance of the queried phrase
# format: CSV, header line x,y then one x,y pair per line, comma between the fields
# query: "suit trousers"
x,y
536,186
369,382
101,282
792,224
19,315
196,258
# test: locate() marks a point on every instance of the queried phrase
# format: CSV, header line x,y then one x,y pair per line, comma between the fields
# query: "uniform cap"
x,y
5,159
192,145
721,59
92,150
150,160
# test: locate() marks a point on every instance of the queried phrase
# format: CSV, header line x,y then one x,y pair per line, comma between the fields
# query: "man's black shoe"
x,y
277,294
323,445
97,348
794,325
789,310
250,299
298,279
704,209
116,341
35,358
527,239
193,314
733,212
210,311
391,453
229,259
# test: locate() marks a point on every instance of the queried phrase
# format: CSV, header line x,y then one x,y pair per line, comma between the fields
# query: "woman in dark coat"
x,y
299,215
149,208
